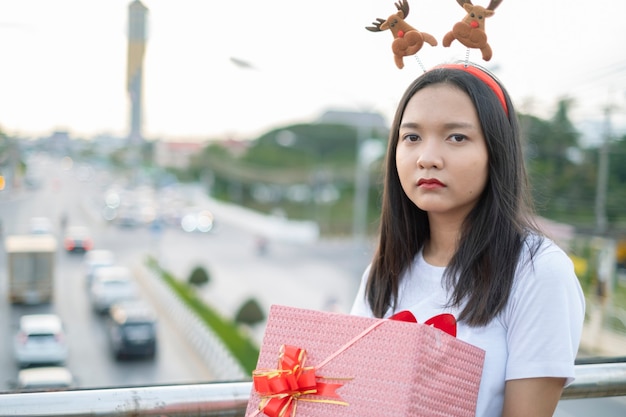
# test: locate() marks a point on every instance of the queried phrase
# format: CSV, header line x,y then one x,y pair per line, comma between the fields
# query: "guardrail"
x,y
226,399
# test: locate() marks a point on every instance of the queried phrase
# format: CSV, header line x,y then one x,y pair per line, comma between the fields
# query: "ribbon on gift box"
x,y
445,322
281,388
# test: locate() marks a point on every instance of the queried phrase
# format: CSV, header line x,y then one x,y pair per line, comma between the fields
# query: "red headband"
x,y
484,77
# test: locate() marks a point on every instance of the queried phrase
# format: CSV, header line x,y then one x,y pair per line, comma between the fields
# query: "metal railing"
x,y
225,399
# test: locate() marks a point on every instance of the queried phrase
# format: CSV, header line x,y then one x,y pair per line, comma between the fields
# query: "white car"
x,y
45,378
111,284
40,340
97,258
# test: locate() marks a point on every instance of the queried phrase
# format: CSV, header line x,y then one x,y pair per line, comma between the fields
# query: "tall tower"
x,y
137,36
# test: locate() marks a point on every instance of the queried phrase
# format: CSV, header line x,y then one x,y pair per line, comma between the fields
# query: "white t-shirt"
x,y
536,335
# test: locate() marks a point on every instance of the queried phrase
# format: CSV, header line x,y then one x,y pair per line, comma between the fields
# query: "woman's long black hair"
x,y
482,270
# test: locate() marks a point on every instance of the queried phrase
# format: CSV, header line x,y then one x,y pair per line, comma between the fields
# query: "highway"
x,y
301,274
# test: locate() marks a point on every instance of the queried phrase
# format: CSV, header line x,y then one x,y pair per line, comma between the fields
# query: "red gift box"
x,y
315,363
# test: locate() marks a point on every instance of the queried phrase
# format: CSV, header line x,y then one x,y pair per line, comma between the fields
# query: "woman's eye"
x,y
411,137
457,138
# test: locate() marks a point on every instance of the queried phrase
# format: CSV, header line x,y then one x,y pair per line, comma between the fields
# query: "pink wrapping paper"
x,y
395,369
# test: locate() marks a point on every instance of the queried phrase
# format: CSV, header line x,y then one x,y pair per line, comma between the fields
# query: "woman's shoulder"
x,y
543,258
536,246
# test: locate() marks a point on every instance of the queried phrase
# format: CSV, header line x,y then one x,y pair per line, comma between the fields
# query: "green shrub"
x,y
199,276
250,313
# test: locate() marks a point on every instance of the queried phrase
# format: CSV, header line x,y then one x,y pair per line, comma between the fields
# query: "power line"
x,y
612,73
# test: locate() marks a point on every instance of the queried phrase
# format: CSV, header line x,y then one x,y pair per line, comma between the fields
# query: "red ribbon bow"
x,y
445,322
281,388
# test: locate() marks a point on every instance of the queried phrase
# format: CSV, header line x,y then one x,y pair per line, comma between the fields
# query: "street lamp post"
x,y
368,152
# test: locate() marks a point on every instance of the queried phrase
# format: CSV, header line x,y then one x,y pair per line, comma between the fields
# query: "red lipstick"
x,y
430,183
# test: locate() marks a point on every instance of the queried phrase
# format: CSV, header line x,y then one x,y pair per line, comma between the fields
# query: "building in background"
x,y
176,154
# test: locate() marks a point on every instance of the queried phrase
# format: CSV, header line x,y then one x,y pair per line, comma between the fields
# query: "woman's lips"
x,y
430,183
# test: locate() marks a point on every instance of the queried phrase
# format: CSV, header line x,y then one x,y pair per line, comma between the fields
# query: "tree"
x,y
616,196
310,145
563,186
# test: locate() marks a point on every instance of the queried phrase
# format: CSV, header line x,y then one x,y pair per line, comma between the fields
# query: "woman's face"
x,y
441,155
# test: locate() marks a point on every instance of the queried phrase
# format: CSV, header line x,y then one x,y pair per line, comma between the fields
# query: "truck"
x,y
31,266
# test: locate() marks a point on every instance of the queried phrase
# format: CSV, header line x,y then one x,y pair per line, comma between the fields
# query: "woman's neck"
x,y
443,242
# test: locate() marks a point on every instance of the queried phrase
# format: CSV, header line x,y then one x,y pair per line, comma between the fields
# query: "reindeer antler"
x,y
403,7
376,27
493,4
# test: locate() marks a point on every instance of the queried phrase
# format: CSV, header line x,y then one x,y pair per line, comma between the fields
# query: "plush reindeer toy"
x,y
406,39
471,30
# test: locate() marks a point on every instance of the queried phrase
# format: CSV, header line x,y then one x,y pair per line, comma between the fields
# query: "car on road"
x,y
111,284
45,378
40,340
77,239
94,259
132,330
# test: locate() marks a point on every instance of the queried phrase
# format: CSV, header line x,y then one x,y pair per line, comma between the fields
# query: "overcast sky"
x,y
63,62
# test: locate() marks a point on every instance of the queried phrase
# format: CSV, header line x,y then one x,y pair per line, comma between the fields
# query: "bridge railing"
x,y
594,379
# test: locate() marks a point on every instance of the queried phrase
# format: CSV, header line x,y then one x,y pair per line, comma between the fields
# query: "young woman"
x,y
457,236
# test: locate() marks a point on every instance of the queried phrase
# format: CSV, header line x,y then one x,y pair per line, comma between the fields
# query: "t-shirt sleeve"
x,y
544,318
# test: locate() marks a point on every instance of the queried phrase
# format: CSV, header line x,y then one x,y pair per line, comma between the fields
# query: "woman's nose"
x,y
429,155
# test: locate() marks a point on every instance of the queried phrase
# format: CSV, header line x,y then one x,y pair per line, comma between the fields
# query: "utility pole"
x,y
603,174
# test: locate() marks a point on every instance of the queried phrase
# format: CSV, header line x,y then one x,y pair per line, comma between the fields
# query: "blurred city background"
x,y
285,215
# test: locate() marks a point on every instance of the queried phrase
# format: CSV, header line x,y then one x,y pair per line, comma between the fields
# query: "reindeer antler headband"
x,y
469,32
408,41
